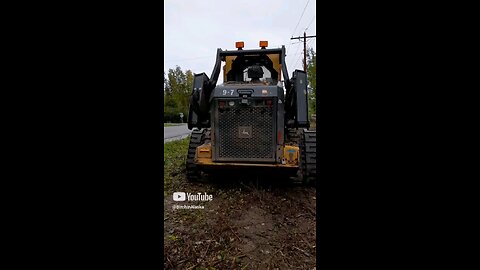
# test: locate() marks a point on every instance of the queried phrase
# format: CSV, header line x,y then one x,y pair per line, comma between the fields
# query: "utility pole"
x,y
304,48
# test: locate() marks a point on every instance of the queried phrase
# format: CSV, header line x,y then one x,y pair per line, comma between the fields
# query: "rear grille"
x,y
245,133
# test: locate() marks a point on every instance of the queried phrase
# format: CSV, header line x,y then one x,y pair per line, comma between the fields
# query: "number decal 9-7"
x,y
228,92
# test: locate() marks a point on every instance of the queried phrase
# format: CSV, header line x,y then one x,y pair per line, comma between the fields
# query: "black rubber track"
x,y
293,136
197,138
308,156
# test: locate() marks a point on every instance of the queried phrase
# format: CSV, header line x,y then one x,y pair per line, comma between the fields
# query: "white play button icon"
x,y
179,196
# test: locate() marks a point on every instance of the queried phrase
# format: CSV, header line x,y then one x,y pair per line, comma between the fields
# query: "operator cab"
x,y
252,66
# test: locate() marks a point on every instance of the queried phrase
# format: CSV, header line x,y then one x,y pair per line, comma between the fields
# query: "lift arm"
x,y
296,101
199,115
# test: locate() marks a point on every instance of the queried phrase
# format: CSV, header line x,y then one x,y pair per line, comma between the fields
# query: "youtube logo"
x,y
179,196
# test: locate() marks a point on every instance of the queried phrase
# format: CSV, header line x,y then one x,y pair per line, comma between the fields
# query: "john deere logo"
x,y
245,132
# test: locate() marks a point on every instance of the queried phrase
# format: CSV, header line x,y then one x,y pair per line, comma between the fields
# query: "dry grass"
x,y
251,223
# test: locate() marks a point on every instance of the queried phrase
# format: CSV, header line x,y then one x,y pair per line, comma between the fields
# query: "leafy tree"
x,y
178,86
312,80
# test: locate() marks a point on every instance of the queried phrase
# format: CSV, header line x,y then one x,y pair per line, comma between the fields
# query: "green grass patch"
x,y
174,157
171,124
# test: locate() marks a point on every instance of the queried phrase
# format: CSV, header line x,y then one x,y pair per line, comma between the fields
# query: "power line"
x,y
310,43
290,44
288,47
301,17
296,62
296,53
310,23
300,58
304,48
298,48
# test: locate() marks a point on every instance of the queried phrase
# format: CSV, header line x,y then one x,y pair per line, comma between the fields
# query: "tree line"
x,y
176,96
178,86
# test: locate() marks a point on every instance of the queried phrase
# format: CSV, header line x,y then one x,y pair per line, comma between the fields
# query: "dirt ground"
x,y
250,223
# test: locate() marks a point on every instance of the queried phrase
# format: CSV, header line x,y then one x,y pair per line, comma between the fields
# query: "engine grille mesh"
x,y
261,143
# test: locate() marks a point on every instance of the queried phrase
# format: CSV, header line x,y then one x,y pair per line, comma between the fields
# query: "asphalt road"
x,y
175,133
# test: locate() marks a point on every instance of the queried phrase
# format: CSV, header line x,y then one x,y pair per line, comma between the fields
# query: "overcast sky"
x,y
195,29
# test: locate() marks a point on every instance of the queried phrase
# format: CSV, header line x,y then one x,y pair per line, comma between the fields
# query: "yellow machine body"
x,y
290,159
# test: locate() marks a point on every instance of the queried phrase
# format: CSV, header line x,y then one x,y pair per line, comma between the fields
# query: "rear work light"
x,y
264,44
239,45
